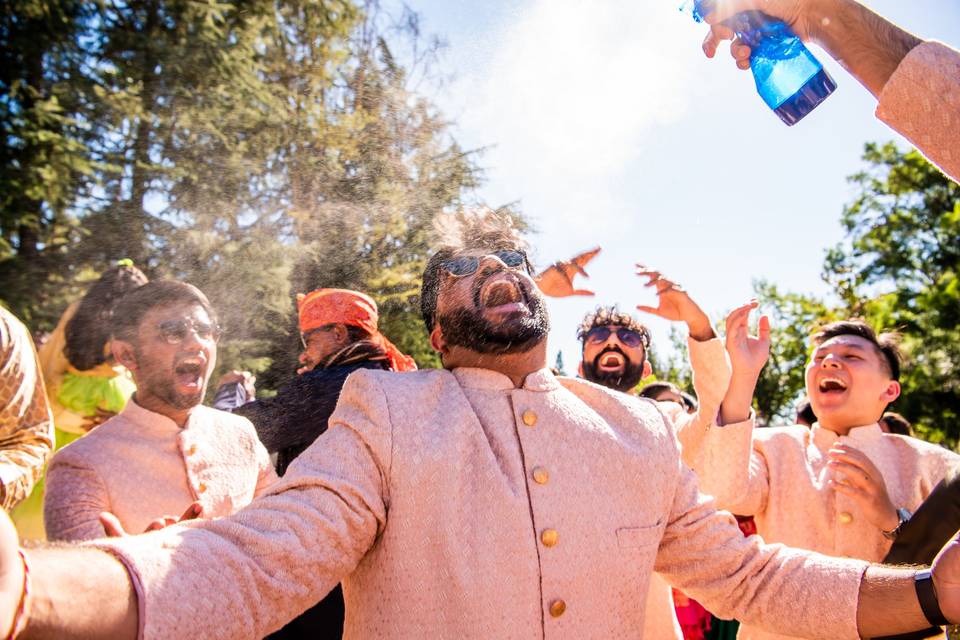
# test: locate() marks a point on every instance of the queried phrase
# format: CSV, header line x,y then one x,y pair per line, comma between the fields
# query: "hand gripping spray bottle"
x,y
789,79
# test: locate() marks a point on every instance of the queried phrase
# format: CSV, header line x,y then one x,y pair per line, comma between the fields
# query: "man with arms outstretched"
x,y
486,500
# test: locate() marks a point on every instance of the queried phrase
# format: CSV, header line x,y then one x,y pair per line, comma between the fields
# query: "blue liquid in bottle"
x,y
788,77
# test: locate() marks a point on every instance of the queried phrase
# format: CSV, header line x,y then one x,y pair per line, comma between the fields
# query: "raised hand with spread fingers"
x,y
556,280
748,355
675,304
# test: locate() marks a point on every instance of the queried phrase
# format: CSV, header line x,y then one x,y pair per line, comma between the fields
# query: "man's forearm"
x,y
867,45
888,603
739,398
79,594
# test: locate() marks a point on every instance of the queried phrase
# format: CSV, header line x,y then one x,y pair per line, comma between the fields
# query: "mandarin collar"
x,y
866,433
489,380
150,419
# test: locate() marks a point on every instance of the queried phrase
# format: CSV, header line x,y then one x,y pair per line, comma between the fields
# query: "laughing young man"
x,y
165,451
489,499
842,487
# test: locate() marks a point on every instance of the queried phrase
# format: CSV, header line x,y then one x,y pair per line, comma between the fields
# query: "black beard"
x,y
162,387
625,382
467,328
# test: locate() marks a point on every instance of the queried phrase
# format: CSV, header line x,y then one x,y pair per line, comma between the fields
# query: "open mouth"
x,y
612,361
189,372
501,294
832,386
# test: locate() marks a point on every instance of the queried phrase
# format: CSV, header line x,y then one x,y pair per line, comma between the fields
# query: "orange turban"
x,y
343,306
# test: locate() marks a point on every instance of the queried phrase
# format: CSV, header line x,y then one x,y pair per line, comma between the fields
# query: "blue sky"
x,y
609,127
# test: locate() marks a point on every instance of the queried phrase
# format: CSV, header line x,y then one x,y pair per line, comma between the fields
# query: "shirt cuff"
x,y
135,580
743,424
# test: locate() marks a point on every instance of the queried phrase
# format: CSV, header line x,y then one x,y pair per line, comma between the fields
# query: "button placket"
x,y
539,481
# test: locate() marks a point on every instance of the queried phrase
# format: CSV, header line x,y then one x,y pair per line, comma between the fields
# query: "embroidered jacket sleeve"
x,y
26,426
74,497
711,377
733,470
284,552
784,590
921,101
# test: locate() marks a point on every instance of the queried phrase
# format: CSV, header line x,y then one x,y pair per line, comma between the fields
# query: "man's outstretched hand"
x,y
114,529
11,574
675,304
946,580
556,280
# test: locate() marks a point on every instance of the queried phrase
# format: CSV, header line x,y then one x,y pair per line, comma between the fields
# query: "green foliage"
x,y
898,269
675,368
257,149
794,319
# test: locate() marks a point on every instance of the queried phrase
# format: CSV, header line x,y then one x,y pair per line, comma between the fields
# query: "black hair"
x,y
887,344
611,316
159,293
805,414
88,330
480,229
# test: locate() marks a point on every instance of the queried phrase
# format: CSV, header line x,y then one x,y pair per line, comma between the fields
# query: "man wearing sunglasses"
x,y
165,454
614,349
486,500
614,355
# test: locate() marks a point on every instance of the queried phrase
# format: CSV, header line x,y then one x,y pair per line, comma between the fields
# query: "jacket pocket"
x,y
639,537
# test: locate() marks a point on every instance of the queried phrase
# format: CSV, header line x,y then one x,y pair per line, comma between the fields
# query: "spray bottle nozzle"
x,y
698,9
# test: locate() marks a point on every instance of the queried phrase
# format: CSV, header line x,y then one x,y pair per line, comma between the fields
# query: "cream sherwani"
x,y
921,100
779,476
454,505
140,465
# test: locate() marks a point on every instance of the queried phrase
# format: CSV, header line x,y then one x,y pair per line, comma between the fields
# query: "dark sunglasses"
x,y
468,265
176,331
305,335
629,337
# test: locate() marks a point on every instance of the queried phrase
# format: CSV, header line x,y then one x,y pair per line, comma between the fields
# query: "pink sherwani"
x,y
921,100
711,376
454,505
779,476
140,466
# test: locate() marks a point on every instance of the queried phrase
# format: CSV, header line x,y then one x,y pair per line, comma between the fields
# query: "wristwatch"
x,y
904,516
923,583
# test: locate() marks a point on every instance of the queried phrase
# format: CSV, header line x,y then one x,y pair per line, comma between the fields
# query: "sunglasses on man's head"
x,y
176,331
468,265
629,337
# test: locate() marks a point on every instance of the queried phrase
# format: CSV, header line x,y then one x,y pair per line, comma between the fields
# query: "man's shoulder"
x,y
616,406
795,435
921,448
95,445
219,418
585,389
408,380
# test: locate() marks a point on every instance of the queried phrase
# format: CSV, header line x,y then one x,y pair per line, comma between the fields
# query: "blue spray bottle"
x,y
789,78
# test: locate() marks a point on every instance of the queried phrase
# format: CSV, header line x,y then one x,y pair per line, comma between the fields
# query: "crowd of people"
x,y
490,497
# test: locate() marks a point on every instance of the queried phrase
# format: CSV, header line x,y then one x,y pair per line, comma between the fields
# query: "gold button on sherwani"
x,y
557,607
549,537
540,475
